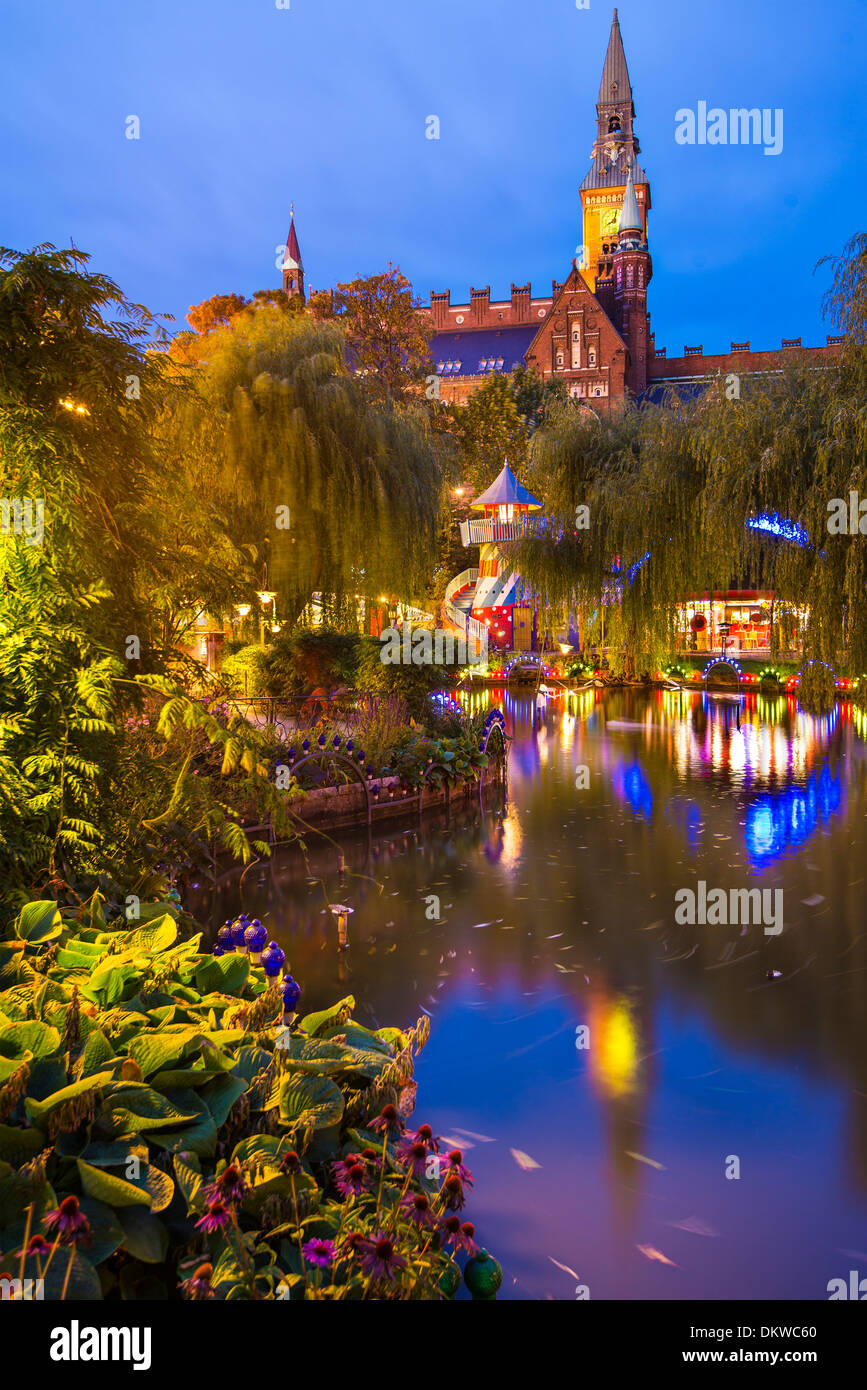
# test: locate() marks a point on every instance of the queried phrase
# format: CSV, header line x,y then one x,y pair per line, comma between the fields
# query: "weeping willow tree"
x,y
622,537
671,492
340,493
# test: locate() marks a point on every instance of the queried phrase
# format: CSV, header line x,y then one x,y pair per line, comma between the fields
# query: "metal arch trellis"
x,y
332,756
724,661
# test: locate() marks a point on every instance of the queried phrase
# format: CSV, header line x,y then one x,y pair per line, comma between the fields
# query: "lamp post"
x,y
266,598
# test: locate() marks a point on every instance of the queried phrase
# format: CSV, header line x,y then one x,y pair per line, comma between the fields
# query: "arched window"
x,y
614,125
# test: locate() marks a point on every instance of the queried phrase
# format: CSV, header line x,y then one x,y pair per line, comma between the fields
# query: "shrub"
x,y
413,684
297,664
169,1136
245,673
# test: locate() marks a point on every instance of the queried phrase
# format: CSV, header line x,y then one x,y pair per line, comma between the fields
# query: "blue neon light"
x,y
777,525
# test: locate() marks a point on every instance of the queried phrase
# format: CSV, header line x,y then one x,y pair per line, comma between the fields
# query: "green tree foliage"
x,y
308,471
489,429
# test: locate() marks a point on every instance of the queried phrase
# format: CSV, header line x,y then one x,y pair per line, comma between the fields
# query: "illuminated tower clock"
x,y
615,155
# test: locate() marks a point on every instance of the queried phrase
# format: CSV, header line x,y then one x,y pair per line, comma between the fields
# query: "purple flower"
x,y
424,1135
319,1252
389,1122
455,1163
459,1234
417,1204
230,1186
452,1193
217,1216
198,1288
350,1177
413,1154
378,1257
38,1246
68,1224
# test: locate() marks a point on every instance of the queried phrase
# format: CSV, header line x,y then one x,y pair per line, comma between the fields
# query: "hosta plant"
x,y
166,1132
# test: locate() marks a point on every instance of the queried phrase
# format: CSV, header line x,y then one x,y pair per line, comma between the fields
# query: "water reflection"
x,y
554,912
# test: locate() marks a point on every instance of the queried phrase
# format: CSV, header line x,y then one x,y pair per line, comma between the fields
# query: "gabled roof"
x,y
505,489
615,69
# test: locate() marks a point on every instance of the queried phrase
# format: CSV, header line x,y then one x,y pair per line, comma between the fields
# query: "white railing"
x,y
460,581
485,530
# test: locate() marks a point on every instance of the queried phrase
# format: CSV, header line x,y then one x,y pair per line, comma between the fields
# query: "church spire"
x,y
293,266
615,84
615,163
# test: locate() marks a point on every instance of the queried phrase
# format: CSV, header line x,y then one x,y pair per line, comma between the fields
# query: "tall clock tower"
x,y
615,156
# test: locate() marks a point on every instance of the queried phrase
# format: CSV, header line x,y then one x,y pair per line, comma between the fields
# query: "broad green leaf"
x,y
222,973
98,1052
144,1236
311,1023
39,1110
161,1050
310,1098
37,1039
39,922
18,1146
105,1187
188,1175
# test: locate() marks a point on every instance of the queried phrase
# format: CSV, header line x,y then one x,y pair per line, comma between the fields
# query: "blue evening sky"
x,y
246,107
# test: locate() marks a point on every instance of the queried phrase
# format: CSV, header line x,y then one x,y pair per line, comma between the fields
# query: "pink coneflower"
x,y
419,1209
425,1135
68,1224
38,1246
455,1163
378,1257
217,1216
452,1192
413,1155
459,1234
291,1163
350,1177
230,1186
319,1252
389,1122
198,1288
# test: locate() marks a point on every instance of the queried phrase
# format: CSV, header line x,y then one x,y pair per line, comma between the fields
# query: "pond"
x,y
651,1109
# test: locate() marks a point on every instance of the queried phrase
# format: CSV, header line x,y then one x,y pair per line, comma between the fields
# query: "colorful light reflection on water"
x,y
556,912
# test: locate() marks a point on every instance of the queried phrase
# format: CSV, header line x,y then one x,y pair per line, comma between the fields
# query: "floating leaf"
x,y
524,1160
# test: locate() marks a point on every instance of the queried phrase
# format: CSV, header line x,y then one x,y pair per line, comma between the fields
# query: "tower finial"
x,y
630,217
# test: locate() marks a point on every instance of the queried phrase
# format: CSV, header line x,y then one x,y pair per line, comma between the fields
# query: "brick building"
x,y
593,330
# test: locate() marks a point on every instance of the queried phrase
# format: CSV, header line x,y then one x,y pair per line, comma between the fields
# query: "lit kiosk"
x,y
495,600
